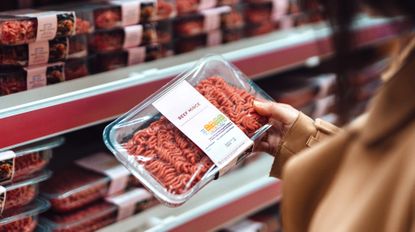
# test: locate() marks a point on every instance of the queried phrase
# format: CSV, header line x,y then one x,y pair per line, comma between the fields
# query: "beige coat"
x,y
363,177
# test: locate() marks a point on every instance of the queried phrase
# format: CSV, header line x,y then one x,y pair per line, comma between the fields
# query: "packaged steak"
x,y
191,131
192,6
99,214
205,21
87,180
36,53
17,79
25,218
22,192
116,39
76,68
266,11
21,162
265,27
126,57
78,46
28,26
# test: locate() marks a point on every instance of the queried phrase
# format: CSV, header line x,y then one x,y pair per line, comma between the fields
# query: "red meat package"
x,y
191,131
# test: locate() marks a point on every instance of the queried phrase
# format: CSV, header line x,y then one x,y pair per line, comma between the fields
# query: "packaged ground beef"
x,y
78,46
19,163
107,61
206,21
87,180
164,31
191,131
27,26
99,214
24,219
77,67
127,37
18,79
192,6
36,53
22,192
166,9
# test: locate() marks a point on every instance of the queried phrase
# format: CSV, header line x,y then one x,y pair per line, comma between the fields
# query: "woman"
x,y
362,177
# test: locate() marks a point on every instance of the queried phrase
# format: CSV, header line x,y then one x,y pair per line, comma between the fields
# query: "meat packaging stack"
x,y
91,193
22,170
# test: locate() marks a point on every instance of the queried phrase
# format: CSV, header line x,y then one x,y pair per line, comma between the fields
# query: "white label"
x,y
286,23
107,165
279,9
3,195
130,11
206,4
212,18
136,55
133,36
8,166
126,202
214,38
47,26
36,77
204,124
39,53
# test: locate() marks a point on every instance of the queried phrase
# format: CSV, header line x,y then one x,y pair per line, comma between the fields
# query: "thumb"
x,y
277,111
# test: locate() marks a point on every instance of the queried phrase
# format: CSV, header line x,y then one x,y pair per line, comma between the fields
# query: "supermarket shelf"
x,y
222,202
57,109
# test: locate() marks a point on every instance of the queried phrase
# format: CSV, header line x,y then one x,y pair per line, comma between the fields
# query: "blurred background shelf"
x,y
58,109
226,200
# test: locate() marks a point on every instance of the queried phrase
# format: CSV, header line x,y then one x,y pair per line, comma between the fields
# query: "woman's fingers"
x,y
277,111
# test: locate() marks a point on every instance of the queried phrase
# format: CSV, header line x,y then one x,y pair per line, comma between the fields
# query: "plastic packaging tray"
x,y
20,27
37,53
25,191
94,216
77,68
28,160
207,20
130,56
17,79
176,175
116,39
23,219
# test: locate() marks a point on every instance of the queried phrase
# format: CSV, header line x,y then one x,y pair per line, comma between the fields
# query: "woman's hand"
x,y
282,117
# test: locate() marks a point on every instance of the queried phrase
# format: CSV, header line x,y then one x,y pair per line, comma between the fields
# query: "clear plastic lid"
x,y
35,208
38,146
164,160
31,180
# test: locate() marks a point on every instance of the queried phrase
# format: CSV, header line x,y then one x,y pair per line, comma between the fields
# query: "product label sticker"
x,y
127,202
286,22
38,53
204,124
136,55
214,38
47,26
106,164
3,195
207,4
36,77
279,9
7,166
133,36
130,11
212,18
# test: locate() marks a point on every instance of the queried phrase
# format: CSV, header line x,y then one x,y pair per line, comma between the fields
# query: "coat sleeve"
x,y
304,133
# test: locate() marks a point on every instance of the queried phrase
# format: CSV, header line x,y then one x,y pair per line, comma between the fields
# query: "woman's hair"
x,y
340,15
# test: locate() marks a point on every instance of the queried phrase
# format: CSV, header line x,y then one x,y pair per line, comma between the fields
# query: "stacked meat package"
x,y
22,170
91,193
